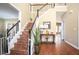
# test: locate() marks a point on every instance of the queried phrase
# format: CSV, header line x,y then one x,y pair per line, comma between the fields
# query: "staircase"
x,y
21,46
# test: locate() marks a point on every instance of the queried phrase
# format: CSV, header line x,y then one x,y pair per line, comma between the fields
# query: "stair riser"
x,y
25,32
22,41
24,35
21,44
14,52
21,47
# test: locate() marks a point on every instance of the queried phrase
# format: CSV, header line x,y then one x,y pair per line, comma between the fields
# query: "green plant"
x,y
30,19
36,40
37,36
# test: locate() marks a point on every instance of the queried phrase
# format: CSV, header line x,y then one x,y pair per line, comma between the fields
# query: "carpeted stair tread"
x,y
21,46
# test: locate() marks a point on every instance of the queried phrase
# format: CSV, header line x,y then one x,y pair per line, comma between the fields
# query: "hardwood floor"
x,y
59,48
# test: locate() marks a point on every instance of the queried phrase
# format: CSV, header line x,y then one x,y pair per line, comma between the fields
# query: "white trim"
x,y
20,20
71,44
78,29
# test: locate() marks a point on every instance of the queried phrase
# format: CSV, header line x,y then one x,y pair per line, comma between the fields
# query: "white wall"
x,y
24,9
49,15
71,25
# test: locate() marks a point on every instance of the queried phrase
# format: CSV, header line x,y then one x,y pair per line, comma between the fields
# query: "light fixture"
x,y
71,11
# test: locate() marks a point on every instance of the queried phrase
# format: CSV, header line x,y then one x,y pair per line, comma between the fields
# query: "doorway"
x,y
59,31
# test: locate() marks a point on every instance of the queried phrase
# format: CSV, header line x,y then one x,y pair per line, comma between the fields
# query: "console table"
x,y
53,35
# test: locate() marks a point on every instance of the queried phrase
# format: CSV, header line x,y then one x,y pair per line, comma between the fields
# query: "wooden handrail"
x,y
43,6
13,26
35,18
37,13
33,22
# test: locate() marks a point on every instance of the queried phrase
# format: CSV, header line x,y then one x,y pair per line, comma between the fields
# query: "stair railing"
x,y
3,45
12,31
0,46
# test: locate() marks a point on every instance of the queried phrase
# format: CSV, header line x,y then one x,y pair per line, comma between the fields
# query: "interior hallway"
x,y
59,48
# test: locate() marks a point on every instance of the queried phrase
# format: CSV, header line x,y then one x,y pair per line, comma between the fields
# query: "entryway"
x,y
60,47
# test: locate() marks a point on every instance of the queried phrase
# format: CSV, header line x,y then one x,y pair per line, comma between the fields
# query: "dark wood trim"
x,y
37,4
65,3
54,4
59,24
47,43
43,6
33,22
37,12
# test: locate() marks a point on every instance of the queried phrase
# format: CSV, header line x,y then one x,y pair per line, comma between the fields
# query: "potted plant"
x,y
36,40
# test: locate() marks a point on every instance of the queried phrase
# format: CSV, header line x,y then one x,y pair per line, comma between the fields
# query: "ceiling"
x,y
8,11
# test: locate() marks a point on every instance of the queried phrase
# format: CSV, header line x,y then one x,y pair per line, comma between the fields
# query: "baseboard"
x,y
72,45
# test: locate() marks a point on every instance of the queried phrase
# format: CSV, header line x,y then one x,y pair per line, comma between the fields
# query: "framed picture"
x,y
47,25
